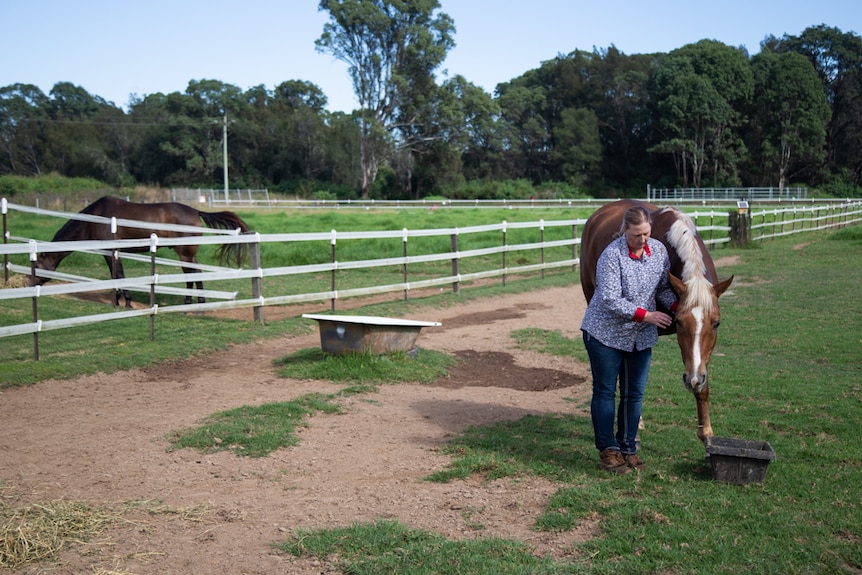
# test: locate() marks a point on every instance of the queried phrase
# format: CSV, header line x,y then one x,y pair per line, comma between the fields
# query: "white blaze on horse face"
x,y
697,313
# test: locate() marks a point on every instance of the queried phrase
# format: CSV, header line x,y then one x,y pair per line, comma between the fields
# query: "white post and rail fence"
x,y
543,252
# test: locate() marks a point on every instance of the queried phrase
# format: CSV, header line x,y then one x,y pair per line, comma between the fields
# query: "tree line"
x,y
601,123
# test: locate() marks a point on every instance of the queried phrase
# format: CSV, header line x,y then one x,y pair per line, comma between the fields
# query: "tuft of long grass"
x,y
38,532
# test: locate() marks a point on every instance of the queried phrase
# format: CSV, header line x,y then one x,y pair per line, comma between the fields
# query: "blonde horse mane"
x,y
682,237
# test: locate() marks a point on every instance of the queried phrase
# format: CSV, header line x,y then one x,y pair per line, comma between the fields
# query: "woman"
x,y
620,328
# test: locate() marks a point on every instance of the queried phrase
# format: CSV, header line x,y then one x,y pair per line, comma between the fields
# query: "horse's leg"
x,y
200,283
189,254
113,271
117,273
704,427
121,273
189,285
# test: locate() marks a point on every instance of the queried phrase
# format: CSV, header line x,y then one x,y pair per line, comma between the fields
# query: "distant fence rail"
x,y
540,253
705,197
211,196
769,194
718,201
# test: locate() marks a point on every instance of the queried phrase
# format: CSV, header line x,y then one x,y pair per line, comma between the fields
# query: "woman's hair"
x,y
634,216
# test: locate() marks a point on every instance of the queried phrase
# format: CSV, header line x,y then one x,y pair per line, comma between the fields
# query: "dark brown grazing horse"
x,y
693,277
167,213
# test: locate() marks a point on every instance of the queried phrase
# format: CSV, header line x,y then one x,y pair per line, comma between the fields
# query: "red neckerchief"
x,y
646,251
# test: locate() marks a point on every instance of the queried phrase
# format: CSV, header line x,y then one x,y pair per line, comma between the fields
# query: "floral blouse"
x,y
626,288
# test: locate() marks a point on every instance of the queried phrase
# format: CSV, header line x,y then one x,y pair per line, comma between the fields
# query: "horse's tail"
x,y
236,254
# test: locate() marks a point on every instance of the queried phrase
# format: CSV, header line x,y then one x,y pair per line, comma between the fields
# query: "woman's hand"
x,y
658,318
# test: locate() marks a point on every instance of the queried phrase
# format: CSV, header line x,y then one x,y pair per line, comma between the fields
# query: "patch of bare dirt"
x,y
726,261
102,439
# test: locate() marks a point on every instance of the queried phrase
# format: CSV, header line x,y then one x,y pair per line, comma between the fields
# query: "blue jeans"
x,y
631,368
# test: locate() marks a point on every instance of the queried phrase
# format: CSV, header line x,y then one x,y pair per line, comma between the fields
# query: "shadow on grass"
x,y
557,447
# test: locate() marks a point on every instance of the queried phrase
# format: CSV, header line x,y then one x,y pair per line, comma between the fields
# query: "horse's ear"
x,y
677,284
722,286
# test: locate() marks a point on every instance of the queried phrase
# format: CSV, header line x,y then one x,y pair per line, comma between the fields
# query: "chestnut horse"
x,y
166,213
692,276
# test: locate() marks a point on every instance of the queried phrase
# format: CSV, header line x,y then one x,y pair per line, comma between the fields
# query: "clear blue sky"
x,y
114,48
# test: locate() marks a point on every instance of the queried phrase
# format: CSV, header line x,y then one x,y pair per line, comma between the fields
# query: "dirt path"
x,y
101,439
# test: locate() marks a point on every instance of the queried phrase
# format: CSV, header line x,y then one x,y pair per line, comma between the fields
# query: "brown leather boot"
x,y
612,460
634,461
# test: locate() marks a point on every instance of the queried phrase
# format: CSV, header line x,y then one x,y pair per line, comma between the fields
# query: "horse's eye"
x,y
716,324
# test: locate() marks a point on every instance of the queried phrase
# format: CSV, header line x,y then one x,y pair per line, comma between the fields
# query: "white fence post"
x,y
542,241
33,257
154,246
404,253
332,242
456,285
115,261
256,281
504,253
3,208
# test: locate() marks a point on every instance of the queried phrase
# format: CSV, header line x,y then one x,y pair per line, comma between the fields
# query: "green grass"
x,y
386,547
786,369
254,431
552,342
366,369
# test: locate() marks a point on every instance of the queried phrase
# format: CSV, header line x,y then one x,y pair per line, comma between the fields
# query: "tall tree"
x,y
576,145
153,117
523,107
475,129
392,48
837,57
790,113
23,113
299,108
702,92
623,105
198,129
83,135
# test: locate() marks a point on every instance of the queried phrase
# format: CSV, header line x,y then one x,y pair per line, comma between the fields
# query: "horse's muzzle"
x,y
694,385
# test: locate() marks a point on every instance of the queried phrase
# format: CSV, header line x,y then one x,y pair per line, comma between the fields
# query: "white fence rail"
x,y
234,196
692,198
712,225
763,194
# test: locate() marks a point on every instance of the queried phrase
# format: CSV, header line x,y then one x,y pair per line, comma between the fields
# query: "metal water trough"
x,y
340,334
738,461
